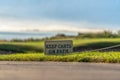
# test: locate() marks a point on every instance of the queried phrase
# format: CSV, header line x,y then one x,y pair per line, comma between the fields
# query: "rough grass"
x,y
19,48
104,57
33,51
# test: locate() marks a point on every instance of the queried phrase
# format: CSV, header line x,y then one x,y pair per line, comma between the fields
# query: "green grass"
x,y
33,51
103,57
36,47
80,42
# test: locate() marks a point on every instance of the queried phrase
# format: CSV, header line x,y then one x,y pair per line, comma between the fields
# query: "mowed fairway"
x,y
33,51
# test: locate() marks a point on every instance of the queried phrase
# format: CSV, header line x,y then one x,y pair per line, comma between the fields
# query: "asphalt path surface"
x,y
58,71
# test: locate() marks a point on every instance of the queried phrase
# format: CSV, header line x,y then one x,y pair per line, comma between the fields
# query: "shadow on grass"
x,y
10,48
97,45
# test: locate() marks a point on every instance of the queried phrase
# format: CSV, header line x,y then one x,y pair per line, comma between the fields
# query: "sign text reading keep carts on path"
x,y
58,47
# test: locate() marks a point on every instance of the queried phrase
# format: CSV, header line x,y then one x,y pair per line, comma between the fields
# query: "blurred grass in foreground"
x,y
104,57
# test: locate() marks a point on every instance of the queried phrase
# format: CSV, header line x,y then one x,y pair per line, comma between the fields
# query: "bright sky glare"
x,y
60,15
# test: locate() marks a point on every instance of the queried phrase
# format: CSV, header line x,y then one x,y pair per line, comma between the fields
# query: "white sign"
x,y
58,46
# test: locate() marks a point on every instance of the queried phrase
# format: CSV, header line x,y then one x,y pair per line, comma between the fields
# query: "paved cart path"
x,y
58,71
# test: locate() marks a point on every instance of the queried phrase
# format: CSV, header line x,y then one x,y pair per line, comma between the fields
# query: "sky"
x,y
60,15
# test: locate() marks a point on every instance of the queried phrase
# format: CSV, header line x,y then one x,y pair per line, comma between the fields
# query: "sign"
x,y
58,47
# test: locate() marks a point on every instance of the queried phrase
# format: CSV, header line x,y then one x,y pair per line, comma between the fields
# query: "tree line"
x,y
104,34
